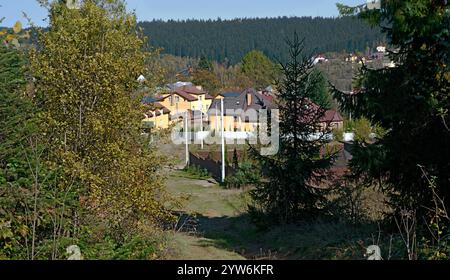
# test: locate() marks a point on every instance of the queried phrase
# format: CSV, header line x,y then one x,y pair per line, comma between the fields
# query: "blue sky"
x,y
187,9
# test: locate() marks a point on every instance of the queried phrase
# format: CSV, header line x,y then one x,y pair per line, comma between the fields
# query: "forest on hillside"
x,y
230,40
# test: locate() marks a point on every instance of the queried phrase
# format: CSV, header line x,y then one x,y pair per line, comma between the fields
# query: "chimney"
x,y
249,99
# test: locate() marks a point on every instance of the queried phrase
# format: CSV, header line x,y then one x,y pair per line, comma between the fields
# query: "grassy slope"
x,y
225,231
206,200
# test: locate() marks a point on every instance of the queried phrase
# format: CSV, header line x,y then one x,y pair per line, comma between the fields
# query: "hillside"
x,y
230,40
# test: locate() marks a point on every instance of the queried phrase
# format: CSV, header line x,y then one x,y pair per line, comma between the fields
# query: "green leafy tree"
x,y
409,101
259,69
86,69
207,79
290,188
231,78
204,76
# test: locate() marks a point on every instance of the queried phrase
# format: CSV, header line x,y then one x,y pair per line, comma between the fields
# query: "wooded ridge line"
x,y
227,41
230,40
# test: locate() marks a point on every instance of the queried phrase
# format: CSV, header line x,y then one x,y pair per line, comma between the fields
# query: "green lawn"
x,y
206,198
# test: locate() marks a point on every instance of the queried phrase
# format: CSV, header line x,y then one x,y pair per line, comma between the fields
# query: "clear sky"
x,y
188,9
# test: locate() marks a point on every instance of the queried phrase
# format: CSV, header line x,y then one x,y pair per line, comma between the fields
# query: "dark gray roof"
x,y
236,102
149,99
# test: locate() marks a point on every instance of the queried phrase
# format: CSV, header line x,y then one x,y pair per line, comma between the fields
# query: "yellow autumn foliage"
x,y
86,70
17,27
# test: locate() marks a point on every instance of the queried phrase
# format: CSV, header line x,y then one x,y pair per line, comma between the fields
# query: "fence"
x,y
214,167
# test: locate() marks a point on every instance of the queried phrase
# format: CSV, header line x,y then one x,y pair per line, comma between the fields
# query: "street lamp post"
x,y
223,140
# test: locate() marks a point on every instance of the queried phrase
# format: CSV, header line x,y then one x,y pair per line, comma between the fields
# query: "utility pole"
x,y
201,129
200,108
223,140
186,137
217,120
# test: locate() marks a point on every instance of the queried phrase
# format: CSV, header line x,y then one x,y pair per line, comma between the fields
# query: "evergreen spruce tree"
x,y
321,94
295,173
15,109
204,64
16,128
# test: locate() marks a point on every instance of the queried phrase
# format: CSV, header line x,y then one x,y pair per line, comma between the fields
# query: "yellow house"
x,y
203,99
240,110
176,102
186,98
156,116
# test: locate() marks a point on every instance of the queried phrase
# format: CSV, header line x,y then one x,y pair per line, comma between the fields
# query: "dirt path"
x,y
207,201
188,247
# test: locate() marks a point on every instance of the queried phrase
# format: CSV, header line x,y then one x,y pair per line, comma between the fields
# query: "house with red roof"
x,y
332,119
187,97
156,115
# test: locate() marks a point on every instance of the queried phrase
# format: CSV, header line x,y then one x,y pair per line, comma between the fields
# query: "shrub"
x,y
196,172
338,134
244,176
138,248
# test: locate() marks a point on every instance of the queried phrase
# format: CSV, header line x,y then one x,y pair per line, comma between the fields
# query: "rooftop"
x,y
240,101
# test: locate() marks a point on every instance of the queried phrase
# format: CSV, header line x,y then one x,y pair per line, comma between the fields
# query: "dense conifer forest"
x,y
230,40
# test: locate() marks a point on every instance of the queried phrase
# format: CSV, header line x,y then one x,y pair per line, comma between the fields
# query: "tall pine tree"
x,y
15,109
321,94
17,126
295,173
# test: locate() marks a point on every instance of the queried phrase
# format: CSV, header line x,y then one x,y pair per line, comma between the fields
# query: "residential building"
x,y
373,4
156,115
332,119
141,79
187,97
179,99
319,59
240,110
